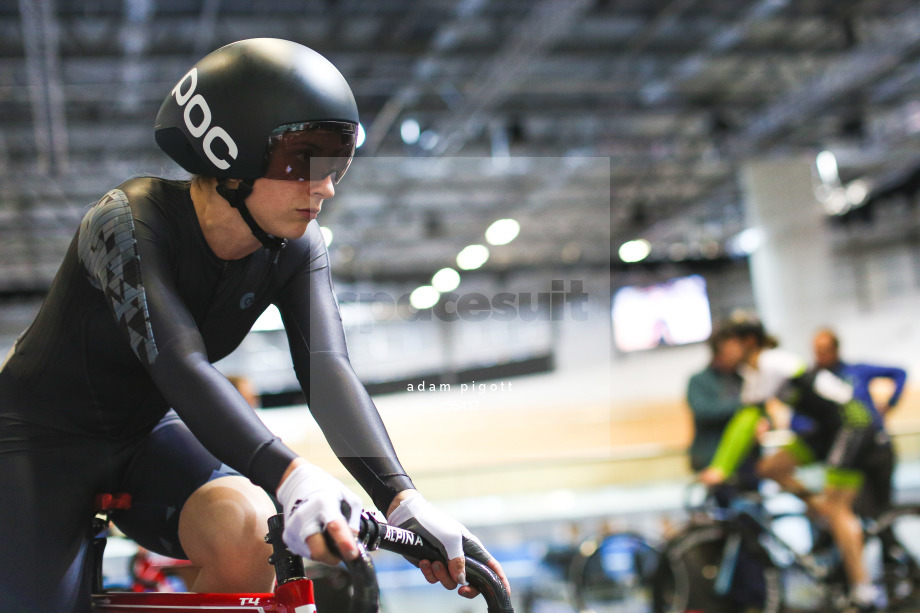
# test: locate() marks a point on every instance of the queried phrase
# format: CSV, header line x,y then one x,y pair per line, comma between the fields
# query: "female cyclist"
x,y
162,279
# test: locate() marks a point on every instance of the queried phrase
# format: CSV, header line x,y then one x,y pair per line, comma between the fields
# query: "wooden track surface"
x,y
472,450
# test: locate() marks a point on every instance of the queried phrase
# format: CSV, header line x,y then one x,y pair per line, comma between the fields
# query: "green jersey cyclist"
x,y
844,439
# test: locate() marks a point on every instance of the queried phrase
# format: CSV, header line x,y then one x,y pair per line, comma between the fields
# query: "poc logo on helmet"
x,y
204,126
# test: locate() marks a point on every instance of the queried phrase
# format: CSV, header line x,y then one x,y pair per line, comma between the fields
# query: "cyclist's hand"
x,y
436,572
711,476
314,502
450,537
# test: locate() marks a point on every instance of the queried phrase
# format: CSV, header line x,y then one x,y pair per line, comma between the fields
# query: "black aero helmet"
x,y
221,116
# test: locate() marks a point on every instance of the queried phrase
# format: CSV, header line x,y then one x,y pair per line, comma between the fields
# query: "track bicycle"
x,y
613,573
734,558
293,590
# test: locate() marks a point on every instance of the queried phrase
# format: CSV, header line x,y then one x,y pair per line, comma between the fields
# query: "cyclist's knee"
x,y
222,525
841,499
776,467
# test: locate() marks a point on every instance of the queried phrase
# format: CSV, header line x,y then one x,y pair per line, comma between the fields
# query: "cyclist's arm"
x,y
737,440
350,421
337,398
897,375
129,259
763,381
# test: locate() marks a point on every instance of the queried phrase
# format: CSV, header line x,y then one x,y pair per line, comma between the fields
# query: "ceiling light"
x,y
410,131
571,252
710,249
634,251
428,140
502,232
746,242
857,192
446,280
827,167
424,297
472,257
837,202
677,252
822,191
327,234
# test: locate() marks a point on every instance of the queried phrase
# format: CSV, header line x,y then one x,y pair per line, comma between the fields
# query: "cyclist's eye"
x,y
306,154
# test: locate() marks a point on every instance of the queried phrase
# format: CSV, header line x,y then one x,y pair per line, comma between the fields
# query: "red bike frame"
x,y
293,596
294,591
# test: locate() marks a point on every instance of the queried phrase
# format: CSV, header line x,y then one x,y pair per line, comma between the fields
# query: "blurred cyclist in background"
x,y
860,375
844,439
876,496
714,395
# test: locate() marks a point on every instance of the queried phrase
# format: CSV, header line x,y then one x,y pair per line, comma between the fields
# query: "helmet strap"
x,y
237,199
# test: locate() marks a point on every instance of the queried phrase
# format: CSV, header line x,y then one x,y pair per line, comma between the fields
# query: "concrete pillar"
x,y
791,269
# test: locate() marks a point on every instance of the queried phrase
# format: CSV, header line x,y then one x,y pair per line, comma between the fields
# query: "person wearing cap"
x,y
714,395
112,387
844,439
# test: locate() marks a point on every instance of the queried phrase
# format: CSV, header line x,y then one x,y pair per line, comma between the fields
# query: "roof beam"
x,y
883,52
40,40
407,94
547,22
660,89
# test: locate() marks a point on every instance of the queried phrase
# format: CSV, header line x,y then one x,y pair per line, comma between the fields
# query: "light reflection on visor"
x,y
310,151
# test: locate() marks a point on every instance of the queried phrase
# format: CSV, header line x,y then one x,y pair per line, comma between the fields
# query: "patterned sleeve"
x,y
128,260
108,250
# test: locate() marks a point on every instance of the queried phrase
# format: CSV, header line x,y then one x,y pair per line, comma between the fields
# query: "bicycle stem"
x,y
288,566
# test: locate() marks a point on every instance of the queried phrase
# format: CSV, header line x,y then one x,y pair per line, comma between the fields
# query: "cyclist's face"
x,y
284,208
825,351
729,354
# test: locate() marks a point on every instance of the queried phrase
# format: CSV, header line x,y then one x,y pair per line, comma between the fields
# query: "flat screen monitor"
x,y
673,312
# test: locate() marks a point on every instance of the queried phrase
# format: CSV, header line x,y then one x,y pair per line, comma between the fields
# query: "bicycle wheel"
x,y
613,575
693,561
899,532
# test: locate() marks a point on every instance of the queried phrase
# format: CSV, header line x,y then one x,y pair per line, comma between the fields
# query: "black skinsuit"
x,y
139,310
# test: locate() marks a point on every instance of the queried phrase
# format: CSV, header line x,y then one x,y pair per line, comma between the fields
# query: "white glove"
x,y
449,536
311,498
